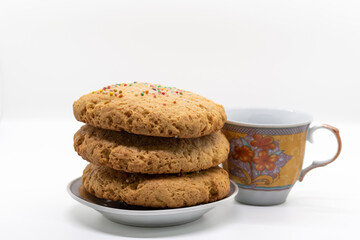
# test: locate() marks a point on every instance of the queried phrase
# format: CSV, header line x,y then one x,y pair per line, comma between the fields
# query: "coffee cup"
x,y
267,149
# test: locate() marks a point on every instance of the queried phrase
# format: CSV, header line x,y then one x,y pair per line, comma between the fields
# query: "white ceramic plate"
x,y
140,216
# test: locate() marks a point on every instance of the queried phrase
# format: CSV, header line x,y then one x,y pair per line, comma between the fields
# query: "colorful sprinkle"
x,y
141,89
174,102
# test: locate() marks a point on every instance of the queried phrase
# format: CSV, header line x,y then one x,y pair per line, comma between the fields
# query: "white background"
x,y
302,55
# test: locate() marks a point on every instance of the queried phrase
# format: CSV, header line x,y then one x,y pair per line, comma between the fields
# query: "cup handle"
x,y
316,164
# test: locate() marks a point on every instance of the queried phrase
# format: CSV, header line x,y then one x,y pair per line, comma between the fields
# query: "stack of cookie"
x,y
153,146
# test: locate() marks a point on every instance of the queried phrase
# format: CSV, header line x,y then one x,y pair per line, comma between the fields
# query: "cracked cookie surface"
x,y
152,155
150,109
160,191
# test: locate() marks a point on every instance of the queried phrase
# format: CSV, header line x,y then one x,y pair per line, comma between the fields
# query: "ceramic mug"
x,y
267,148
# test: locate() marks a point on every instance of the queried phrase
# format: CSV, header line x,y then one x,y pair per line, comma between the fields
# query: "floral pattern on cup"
x,y
256,159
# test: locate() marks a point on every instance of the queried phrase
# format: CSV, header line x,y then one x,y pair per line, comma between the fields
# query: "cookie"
x,y
150,109
152,155
159,191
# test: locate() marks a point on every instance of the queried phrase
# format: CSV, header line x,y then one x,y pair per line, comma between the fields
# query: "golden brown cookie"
x,y
152,155
150,109
160,191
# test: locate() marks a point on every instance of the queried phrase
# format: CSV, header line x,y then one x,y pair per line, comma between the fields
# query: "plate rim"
x,y
149,212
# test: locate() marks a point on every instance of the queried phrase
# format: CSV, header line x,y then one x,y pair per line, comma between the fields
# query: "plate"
x,y
120,212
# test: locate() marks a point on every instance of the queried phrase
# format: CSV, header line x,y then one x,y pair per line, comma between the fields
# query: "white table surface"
x,y
38,161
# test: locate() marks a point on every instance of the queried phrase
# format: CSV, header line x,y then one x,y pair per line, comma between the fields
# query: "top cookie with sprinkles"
x,y
150,109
